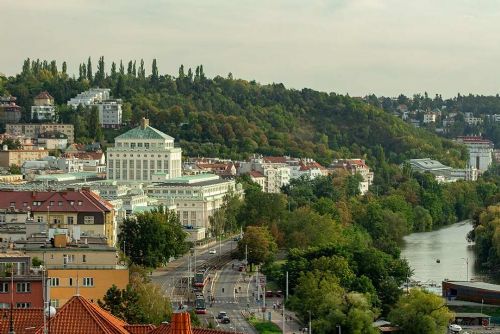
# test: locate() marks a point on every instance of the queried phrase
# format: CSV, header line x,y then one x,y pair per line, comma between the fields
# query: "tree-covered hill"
x,y
235,118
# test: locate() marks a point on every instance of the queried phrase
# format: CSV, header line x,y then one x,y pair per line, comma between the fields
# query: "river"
x,y
448,245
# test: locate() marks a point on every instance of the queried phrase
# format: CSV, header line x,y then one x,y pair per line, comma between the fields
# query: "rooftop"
x,y
144,131
192,181
476,285
428,164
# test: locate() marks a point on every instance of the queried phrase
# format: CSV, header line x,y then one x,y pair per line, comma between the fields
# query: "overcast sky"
x,y
358,47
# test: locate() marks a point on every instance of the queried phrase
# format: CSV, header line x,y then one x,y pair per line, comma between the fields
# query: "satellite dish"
x,y
50,311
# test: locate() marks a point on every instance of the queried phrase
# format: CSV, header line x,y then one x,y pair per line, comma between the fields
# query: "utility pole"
x,y
310,323
246,255
286,286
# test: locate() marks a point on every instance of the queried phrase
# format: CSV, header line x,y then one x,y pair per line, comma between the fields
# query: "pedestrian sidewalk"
x,y
292,324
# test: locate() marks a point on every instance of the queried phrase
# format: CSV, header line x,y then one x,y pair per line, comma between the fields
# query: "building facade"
x,y
82,212
52,140
110,113
90,97
195,197
33,130
143,154
480,152
43,108
10,112
18,157
275,170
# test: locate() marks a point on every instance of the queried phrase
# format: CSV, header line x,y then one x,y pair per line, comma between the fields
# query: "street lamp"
x,y
339,329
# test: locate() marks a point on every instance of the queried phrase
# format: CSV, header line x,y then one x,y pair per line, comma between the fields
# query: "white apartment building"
x,y
143,154
90,97
195,197
275,170
110,113
43,108
471,120
429,117
480,152
356,166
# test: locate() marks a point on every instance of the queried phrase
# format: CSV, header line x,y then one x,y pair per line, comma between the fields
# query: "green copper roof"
x,y
144,133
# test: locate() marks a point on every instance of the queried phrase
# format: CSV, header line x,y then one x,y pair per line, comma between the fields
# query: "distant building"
x,y
82,211
52,140
306,168
480,151
442,172
33,130
275,170
258,178
470,119
18,157
195,197
110,113
223,168
429,117
356,166
89,97
10,112
143,154
43,108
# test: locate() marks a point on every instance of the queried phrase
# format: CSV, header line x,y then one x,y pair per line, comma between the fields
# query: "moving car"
x,y
212,251
221,315
225,320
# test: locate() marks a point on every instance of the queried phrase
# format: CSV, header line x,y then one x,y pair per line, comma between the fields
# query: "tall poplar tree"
x,y
89,69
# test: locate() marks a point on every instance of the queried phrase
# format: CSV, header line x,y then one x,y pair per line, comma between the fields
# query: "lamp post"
x,y
310,323
339,327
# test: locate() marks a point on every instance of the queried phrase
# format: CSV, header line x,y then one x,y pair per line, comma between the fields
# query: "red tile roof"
x,y
44,95
85,155
167,328
79,316
70,201
140,329
256,174
275,160
26,321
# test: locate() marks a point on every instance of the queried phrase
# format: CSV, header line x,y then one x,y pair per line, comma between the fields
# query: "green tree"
x,y
15,170
260,244
421,312
154,72
152,238
89,70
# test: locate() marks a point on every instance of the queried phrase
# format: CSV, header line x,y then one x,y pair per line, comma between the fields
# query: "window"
x,y
70,280
60,203
84,258
54,303
80,203
39,219
51,203
4,287
23,305
88,220
25,203
68,258
70,220
88,281
54,281
13,204
23,287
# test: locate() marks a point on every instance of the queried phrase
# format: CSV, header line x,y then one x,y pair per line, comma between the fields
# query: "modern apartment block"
x,y
90,97
33,130
110,113
43,108
143,154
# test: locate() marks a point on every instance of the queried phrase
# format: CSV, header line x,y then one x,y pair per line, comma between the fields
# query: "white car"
x,y
455,328
212,251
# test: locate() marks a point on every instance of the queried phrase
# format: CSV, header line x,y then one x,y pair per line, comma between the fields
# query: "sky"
x,y
359,47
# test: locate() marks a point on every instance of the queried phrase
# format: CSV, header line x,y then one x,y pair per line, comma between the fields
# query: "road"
x,y
231,290
173,278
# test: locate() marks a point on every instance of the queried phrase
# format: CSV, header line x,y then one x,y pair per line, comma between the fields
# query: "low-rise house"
x,y
429,117
43,108
18,157
275,169
470,119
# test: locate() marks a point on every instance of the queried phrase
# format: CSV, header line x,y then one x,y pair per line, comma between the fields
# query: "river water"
x,y
448,245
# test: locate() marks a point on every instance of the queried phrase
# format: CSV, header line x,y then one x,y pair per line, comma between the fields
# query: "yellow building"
x,y
18,157
88,268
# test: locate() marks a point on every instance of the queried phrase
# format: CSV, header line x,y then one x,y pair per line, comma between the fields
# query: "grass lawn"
x,y
264,327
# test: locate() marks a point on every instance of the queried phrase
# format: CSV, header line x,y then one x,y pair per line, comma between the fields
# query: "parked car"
x,y
241,267
212,251
454,328
221,315
269,293
225,320
279,293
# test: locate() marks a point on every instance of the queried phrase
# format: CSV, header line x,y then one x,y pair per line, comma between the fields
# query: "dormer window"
x,y
80,203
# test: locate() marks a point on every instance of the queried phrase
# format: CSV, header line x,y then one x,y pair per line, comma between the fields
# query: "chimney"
x,y
144,123
181,323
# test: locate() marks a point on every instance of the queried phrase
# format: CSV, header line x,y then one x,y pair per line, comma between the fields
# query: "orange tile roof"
x,y
140,329
181,324
26,321
44,95
275,160
83,317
